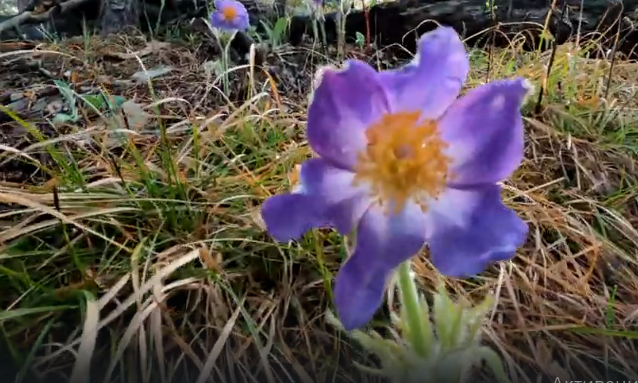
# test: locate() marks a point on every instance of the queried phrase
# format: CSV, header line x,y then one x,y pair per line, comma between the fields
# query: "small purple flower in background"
x,y
230,15
404,161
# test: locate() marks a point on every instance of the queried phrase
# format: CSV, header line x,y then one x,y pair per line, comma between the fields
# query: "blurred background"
x,y
8,7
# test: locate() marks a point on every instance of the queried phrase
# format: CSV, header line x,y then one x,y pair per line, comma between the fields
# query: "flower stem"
x,y
315,30
339,19
322,29
411,310
223,47
226,63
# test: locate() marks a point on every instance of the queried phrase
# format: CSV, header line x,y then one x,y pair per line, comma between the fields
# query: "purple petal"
x,y
343,105
485,131
221,4
434,78
345,204
289,216
382,244
217,20
326,197
472,229
239,22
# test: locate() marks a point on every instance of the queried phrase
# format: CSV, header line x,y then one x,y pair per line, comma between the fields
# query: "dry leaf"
x,y
136,117
211,262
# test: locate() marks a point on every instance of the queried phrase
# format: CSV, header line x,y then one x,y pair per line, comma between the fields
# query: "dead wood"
x,y
402,21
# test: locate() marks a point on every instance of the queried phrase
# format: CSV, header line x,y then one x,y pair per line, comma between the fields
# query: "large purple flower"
x,y
404,161
230,15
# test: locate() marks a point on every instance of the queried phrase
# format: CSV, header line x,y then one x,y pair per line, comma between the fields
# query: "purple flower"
x,y
230,15
404,161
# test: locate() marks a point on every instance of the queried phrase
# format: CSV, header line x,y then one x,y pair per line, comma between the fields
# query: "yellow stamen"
x,y
404,160
229,13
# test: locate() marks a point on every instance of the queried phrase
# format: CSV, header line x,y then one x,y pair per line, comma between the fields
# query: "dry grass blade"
x,y
148,305
206,372
82,365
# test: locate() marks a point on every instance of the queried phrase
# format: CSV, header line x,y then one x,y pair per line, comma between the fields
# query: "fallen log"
x,y
397,22
402,21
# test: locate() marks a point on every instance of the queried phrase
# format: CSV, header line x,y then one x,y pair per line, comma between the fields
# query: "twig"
x,y
552,57
366,15
491,39
613,51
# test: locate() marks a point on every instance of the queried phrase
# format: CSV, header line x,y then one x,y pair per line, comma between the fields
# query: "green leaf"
x,y
280,28
370,370
451,366
494,362
266,28
445,317
61,118
332,319
411,313
383,349
428,331
475,317
65,90
17,313
360,39
448,338
101,102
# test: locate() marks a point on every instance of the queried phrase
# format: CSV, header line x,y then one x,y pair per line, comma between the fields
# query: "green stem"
x,y
411,307
226,64
219,36
322,29
315,31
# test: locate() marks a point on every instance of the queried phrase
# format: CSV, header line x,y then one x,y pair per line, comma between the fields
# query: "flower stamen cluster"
x,y
404,160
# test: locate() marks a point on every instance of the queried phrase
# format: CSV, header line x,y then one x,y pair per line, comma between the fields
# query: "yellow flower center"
x,y
229,13
404,160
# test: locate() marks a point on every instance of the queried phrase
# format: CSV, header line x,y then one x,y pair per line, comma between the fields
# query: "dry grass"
x,y
139,245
